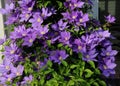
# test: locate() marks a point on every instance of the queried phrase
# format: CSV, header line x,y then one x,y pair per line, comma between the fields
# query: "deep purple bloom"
x,y
72,4
79,46
37,20
45,13
58,55
110,19
82,19
59,26
90,55
108,52
107,67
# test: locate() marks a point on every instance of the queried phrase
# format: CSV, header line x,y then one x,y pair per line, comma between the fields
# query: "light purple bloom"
x,y
17,71
25,16
110,19
7,9
37,20
27,80
29,39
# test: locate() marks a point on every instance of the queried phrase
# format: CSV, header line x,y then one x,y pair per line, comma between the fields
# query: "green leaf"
x,y
64,63
102,83
49,63
49,43
80,55
60,45
71,82
92,64
73,66
88,73
95,84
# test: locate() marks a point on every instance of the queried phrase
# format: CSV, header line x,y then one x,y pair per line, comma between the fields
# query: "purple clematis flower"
x,y
72,4
107,67
110,19
25,16
17,71
7,9
79,46
64,37
29,39
45,13
58,55
27,80
108,52
82,19
90,55
6,66
37,20
42,30
59,26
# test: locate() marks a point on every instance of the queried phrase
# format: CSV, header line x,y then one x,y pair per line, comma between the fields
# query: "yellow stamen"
x,y
38,20
42,32
18,74
108,54
27,15
30,8
75,5
60,58
9,79
79,47
87,56
73,17
104,66
81,20
7,67
12,51
31,40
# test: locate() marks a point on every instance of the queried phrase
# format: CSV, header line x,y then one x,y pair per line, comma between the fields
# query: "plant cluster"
x,y
55,43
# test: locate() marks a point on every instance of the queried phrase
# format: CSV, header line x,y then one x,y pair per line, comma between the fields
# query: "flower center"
x,y
23,34
81,20
9,79
12,51
30,8
70,4
87,56
75,5
79,47
66,38
104,66
73,17
42,32
18,74
38,20
7,67
31,40
108,54
60,58
27,15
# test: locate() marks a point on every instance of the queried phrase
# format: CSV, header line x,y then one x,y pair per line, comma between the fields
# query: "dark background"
x,y
112,7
